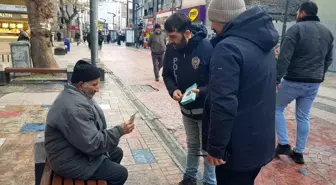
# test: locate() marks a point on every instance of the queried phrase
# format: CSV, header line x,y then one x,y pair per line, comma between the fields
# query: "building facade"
x,y
13,17
327,15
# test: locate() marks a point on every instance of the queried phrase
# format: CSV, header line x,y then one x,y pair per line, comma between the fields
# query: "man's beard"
x,y
182,44
298,19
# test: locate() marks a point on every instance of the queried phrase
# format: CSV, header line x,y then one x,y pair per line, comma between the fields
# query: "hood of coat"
x,y
254,25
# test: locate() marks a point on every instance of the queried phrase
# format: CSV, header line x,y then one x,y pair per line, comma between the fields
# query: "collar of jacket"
x,y
216,40
72,89
310,18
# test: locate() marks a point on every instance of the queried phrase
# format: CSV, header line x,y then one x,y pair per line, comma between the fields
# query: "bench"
x,y
44,175
5,76
51,178
35,70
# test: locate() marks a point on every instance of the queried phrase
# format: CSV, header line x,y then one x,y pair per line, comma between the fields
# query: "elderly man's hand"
x,y
127,127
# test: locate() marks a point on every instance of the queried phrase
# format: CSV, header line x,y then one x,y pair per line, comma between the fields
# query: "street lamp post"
x,y
173,6
284,26
93,30
114,15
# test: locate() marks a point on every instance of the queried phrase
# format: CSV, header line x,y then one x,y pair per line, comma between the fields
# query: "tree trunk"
x,y
39,13
68,30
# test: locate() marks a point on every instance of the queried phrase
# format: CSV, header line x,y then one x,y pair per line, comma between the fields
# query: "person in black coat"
x,y
23,36
88,38
100,39
239,115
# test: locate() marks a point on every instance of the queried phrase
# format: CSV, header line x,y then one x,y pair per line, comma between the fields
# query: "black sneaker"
x,y
283,150
157,79
297,157
187,182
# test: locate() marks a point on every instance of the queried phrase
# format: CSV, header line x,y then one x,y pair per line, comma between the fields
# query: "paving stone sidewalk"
x,y
23,110
134,68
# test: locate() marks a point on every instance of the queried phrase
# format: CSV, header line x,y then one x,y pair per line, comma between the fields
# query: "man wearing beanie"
x,y
157,43
186,63
77,142
239,115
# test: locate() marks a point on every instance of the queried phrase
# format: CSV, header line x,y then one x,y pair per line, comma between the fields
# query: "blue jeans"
x,y
193,130
304,94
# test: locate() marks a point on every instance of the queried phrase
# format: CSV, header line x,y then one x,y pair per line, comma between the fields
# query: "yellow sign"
x,y
193,14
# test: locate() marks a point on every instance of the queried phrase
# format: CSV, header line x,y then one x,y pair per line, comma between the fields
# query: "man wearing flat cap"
x,y
77,142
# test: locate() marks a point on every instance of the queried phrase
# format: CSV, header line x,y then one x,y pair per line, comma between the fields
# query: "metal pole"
x,y
133,14
173,6
284,26
93,30
127,10
134,26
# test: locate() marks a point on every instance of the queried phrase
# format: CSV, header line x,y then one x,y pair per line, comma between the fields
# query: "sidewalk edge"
x,y
174,149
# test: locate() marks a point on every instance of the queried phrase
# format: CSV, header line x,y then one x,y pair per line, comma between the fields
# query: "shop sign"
x,y
13,8
193,14
6,15
13,16
74,28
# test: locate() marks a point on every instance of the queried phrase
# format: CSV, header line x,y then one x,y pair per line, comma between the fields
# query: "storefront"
x,y
149,26
12,19
162,16
196,14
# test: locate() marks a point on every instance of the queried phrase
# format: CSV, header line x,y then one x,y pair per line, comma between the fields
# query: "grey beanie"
x,y
223,11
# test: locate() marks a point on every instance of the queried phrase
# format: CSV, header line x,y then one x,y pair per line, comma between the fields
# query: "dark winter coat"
x,y
239,115
306,52
76,138
179,71
23,36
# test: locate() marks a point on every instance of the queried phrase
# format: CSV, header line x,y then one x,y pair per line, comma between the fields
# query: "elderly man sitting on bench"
x,y
77,143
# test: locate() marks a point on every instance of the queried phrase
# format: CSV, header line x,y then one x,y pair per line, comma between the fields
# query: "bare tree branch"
x,y
67,12
62,10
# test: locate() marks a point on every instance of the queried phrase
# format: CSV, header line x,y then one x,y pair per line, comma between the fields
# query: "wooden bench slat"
x,y
79,182
101,182
47,175
91,182
57,180
68,182
35,70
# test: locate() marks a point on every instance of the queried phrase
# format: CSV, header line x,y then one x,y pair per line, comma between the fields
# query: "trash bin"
x,y
67,43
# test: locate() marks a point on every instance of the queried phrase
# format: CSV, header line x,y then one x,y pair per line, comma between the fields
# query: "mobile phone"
x,y
133,116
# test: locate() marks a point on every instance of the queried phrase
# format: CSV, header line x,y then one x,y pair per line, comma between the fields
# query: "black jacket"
x,y
239,115
306,52
179,71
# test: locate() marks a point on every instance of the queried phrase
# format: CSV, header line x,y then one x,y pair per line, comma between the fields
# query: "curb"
x,y
174,149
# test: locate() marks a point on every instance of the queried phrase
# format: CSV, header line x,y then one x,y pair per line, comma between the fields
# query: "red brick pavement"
x,y
134,67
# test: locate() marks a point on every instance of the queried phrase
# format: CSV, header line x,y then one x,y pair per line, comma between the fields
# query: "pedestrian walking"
x,y
157,43
77,38
108,38
59,36
186,62
100,39
141,39
88,38
305,55
119,38
85,37
23,36
239,114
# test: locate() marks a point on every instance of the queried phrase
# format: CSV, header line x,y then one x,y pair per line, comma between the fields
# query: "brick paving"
x,y
145,156
134,67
